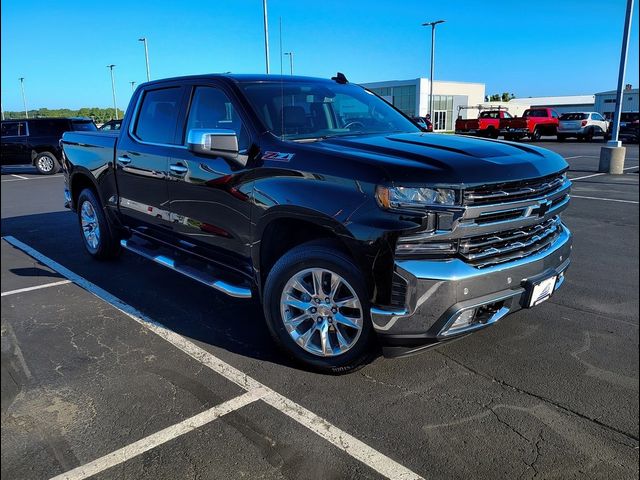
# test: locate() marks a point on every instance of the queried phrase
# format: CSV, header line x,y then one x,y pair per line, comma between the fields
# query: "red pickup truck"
x,y
486,125
534,123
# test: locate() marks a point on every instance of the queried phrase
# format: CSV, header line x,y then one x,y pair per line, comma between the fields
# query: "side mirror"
x,y
215,143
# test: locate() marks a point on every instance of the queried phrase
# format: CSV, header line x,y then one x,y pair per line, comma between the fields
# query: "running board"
x,y
192,272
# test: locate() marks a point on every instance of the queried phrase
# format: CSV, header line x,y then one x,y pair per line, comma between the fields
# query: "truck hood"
x,y
414,158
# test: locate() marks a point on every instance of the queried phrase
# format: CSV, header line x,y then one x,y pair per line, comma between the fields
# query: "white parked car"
x,y
582,125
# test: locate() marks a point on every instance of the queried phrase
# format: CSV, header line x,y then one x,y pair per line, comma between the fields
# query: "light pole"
x,y
133,86
433,48
113,90
146,56
24,98
612,156
290,54
266,34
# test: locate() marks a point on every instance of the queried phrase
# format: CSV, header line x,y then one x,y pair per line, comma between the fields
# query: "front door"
x,y
440,120
209,196
142,159
14,144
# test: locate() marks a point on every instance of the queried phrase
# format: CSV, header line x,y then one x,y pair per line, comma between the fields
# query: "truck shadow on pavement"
x,y
180,304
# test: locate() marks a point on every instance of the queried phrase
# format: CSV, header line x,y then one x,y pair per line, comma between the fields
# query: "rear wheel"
x,y
46,163
492,133
317,309
536,134
561,138
97,235
588,136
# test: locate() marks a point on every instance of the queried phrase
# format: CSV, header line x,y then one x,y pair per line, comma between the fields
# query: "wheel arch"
x,y
285,228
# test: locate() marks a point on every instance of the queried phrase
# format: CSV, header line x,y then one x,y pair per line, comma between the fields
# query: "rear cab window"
x,y
84,125
158,116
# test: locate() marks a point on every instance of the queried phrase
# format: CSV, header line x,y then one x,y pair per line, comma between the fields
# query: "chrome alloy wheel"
x,y
90,225
45,163
321,312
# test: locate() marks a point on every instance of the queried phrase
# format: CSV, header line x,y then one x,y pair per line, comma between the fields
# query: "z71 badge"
x,y
278,156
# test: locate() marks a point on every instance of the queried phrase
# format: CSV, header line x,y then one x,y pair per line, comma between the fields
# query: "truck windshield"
x,y
299,110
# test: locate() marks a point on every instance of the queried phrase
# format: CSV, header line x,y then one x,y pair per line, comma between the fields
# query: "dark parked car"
x,y
35,141
110,126
630,127
327,205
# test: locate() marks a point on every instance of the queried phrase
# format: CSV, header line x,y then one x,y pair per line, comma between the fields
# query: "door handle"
x,y
179,169
124,160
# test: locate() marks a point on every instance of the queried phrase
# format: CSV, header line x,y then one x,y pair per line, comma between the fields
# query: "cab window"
x,y
159,115
212,109
14,129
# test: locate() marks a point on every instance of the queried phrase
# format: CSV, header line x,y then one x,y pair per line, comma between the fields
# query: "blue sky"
x,y
559,47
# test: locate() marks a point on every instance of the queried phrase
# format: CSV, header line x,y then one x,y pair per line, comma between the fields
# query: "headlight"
x,y
398,197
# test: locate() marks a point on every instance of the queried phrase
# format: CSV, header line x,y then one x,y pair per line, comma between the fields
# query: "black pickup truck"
x,y
351,226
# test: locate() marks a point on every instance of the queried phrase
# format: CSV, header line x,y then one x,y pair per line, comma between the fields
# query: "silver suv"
x,y
582,125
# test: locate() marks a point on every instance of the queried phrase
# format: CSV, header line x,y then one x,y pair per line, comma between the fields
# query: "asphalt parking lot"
x,y
126,369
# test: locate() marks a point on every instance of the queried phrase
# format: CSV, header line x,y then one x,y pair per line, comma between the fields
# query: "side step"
x,y
163,257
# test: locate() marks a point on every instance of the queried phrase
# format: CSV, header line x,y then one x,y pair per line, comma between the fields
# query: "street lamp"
x,y
433,47
266,34
24,98
146,56
290,54
113,90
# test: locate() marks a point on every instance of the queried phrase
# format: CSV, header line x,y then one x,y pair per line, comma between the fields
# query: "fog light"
x,y
464,319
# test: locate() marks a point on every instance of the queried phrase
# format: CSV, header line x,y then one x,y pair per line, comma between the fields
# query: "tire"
x,y
493,133
536,134
46,163
588,136
96,233
316,315
561,138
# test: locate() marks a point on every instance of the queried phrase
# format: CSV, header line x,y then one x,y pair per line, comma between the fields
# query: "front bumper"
x,y
438,290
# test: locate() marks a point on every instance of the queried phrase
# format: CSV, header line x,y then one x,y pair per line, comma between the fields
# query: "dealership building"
x,y
605,102
412,97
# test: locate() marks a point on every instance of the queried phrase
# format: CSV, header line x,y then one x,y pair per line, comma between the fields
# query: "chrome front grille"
x,y
485,250
513,191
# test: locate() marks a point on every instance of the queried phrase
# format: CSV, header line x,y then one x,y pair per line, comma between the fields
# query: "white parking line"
x,y
321,427
605,199
152,441
597,174
19,176
37,287
41,177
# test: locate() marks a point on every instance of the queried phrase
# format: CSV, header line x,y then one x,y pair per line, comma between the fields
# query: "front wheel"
x,y
97,236
317,308
46,163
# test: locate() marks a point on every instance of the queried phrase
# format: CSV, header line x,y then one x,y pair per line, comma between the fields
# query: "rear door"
x,y
142,158
14,143
209,196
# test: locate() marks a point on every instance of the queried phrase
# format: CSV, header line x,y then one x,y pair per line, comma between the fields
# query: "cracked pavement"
x,y
550,392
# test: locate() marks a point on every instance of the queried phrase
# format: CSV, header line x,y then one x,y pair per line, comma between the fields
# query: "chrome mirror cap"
x,y
214,142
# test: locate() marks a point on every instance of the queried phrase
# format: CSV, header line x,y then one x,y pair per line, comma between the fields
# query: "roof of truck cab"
x,y
242,78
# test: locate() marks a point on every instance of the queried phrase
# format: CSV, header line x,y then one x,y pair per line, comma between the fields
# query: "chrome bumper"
x,y
438,290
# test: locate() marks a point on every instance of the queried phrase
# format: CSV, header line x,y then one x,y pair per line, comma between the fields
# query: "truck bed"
x,y
90,148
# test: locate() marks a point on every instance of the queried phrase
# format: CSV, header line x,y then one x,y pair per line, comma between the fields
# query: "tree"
x,y
504,97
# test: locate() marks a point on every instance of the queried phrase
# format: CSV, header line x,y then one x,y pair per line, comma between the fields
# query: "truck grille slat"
x,y
513,191
509,245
